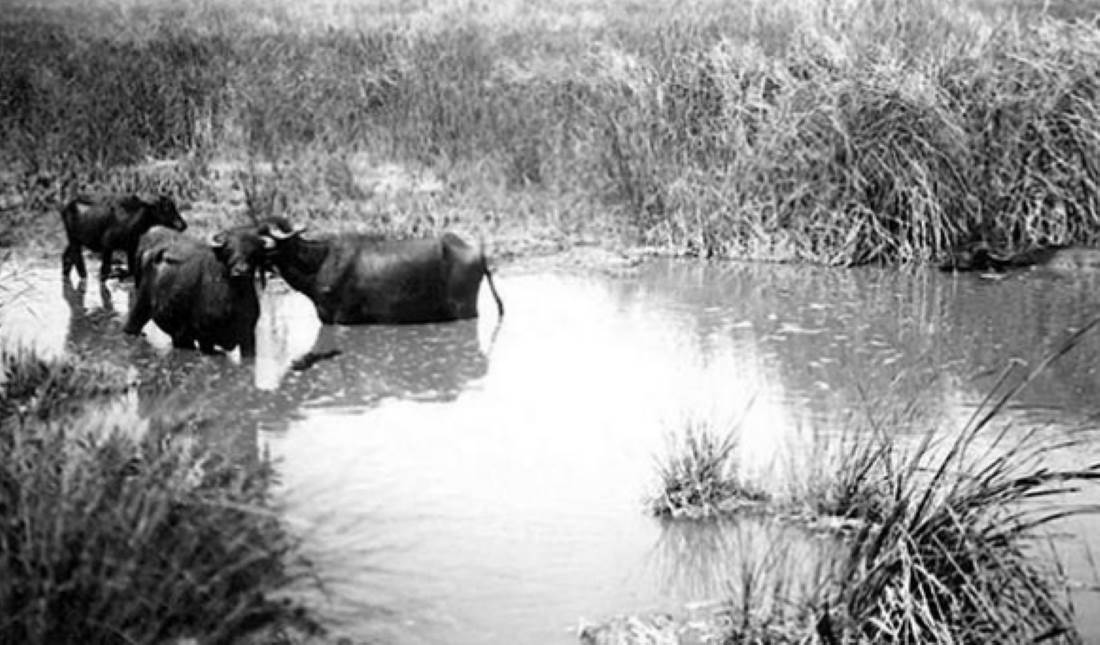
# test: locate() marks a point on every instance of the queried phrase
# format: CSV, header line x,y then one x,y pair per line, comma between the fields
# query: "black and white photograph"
x,y
549,322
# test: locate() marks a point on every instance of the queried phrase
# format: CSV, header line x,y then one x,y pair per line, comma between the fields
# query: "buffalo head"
x,y
242,250
165,213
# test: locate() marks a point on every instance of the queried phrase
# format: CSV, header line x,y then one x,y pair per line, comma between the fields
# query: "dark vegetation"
x,y
112,535
886,130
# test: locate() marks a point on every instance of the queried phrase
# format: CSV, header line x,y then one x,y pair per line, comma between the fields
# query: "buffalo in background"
x,y
199,292
362,279
980,256
110,224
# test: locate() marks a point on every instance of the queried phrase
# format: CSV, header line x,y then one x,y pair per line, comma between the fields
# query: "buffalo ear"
x,y
217,240
269,243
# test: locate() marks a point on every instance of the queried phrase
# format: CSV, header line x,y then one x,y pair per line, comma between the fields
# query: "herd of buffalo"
x,y
202,292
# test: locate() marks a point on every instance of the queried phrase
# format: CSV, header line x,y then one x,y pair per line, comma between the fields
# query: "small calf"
x,y
110,224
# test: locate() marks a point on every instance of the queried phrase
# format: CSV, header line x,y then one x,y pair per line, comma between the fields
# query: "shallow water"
x,y
484,482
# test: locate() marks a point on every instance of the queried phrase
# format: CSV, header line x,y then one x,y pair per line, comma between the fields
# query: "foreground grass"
x,y
839,132
943,543
108,537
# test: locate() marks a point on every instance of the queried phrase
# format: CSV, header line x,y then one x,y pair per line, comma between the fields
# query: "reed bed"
x,y
115,536
832,131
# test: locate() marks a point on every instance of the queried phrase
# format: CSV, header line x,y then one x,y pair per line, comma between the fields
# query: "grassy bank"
x,y
836,132
109,536
945,532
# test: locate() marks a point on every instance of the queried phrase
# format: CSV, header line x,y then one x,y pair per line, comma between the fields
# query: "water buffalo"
x,y
200,292
362,279
110,224
981,257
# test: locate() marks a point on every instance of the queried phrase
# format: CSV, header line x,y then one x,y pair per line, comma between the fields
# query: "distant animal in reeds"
x,y
362,279
311,358
200,292
981,257
110,224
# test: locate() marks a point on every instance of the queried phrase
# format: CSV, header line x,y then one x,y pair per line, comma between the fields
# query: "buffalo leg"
x,y
140,312
105,265
207,347
183,342
248,345
131,265
73,256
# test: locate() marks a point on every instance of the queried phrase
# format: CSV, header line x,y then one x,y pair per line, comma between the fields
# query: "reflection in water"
x,y
93,332
508,501
431,362
751,558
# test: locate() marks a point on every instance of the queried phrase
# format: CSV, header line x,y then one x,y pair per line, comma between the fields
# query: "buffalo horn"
x,y
217,240
278,234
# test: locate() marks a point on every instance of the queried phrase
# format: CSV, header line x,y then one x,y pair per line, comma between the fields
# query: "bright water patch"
x,y
484,481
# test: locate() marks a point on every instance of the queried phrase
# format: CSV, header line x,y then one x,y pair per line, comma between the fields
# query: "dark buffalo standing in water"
x,y
981,257
362,279
200,292
112,224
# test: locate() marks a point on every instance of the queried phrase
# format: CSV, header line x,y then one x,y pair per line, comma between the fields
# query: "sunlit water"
x,y
485,481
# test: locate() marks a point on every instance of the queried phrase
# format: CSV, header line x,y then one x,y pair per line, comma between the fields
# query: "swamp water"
x,y
480,483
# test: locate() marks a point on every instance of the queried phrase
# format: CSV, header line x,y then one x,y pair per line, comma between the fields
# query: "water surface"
x,y
484,481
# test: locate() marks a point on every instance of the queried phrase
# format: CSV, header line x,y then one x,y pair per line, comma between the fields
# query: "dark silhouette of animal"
x,y
311,358
199,292
980,256
361,279
112,224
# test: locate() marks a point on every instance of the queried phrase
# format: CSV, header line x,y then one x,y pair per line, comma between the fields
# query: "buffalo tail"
x,y
492,287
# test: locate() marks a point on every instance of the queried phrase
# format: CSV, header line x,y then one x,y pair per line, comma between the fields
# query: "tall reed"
x,y
955,557
840,132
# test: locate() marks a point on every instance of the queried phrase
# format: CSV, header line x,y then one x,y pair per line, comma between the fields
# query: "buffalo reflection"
x,y
89,328
429,362
209,398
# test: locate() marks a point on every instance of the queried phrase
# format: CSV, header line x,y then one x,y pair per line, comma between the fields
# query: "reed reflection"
x,y
758,560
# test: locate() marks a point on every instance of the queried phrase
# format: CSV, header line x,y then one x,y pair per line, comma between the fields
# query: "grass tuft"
x,y
700,478
111,538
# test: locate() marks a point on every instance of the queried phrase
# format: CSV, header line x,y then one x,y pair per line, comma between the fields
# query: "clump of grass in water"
x,y
111,539
700,479
945,550
32,385
949,562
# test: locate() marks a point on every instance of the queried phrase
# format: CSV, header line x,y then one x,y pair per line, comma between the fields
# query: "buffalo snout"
x,y
240,270
168,214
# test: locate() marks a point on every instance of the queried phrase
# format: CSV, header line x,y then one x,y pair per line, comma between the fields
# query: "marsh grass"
x,y
840,132
41,388
944,531
110,537
955,557
700,477
843,482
